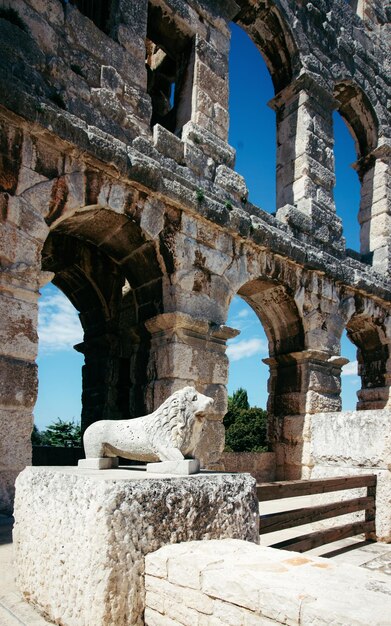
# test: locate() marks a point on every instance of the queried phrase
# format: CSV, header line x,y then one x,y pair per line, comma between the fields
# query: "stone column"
x,y
18,383
305,161
189,351
300,383
100,379
304,382
375,373
375,207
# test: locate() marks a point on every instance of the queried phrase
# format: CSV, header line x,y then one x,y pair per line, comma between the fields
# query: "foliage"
x,y
36,437
9,14
246,427
60,433
200,195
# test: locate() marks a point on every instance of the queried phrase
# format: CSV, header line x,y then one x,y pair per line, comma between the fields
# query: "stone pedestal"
x,y
81,535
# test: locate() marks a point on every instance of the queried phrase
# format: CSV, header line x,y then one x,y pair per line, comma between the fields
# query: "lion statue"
x,y
170,433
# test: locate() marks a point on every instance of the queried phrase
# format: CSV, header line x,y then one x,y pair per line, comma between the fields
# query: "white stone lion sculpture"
x,y
170,433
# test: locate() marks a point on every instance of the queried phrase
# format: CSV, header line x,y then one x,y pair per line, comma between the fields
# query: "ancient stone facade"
x,y
117,183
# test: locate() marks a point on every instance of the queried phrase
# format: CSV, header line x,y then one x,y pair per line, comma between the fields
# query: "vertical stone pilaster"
x,y
189,351
304,382
300,384
375,373
100,379
375,207
305,160
18,384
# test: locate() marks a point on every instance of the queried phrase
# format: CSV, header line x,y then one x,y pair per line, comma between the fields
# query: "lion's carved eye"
x,y
194,398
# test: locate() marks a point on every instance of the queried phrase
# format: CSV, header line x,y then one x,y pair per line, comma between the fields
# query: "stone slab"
x,y
181,468
98,463
234,582
81,534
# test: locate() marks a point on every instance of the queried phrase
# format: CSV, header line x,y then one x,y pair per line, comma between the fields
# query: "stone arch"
x,y
359,114
265,24
275,307
372,166
367,329
110,271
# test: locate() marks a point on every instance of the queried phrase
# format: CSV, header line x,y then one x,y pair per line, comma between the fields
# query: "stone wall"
x,y
338,444
227,583
130,205
261,465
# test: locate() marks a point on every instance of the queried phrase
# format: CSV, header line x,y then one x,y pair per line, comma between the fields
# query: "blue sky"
x,y
252,133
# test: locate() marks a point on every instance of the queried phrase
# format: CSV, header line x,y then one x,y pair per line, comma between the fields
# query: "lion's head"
x,y
179,420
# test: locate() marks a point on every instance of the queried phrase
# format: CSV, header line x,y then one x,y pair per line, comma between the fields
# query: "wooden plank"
x,y
293,488
321,537
370,513
279,521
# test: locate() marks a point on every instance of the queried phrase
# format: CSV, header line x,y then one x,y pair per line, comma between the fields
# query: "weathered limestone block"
x,y
15,449
233,583
81,535
340,444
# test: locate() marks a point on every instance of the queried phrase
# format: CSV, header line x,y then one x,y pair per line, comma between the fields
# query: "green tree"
x,y
62,433
36,436
246,427
238,400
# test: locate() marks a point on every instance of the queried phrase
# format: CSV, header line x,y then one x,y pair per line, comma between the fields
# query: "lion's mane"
x,y
173,421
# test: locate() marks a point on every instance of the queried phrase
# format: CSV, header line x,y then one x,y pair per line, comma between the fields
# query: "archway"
x,y
59,365
360,117
110,272
368,334
350,381
275,308
252,130
347,187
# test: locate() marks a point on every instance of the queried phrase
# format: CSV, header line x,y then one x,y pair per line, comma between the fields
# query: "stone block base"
x,y
81,535
237,583
98,463
180,468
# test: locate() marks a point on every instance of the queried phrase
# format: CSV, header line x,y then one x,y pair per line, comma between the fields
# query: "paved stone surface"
x,y
14,611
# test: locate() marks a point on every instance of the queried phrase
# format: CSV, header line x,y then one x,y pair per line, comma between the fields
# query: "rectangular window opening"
x,y
98,11
170,64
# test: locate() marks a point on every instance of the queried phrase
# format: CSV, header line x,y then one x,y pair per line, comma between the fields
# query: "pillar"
x,y
375,207
300,383
190,351
305,161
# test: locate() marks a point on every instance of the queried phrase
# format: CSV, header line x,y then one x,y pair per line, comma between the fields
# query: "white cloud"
x,y
244,313
246,348
350,369
59,327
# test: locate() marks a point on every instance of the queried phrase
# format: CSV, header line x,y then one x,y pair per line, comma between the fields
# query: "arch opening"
x,y
271,34
275,309
252,128
110,273
59,365
356,110
347,187
373,353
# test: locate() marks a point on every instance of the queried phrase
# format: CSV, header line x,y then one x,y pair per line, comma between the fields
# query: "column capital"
x,y
382,152
306,355
304,83
170,323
